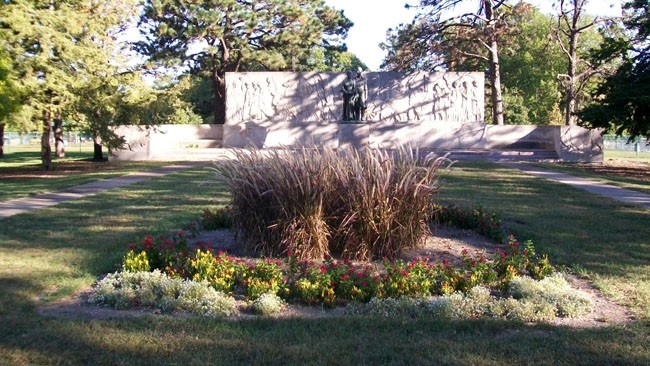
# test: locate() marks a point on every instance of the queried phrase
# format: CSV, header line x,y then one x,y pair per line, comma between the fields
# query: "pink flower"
x,y
345,277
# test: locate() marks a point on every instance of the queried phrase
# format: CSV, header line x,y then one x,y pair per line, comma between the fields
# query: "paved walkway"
x,y
616,193
26,204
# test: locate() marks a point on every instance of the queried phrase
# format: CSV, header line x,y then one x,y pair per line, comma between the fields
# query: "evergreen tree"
x,y
9,98
57,47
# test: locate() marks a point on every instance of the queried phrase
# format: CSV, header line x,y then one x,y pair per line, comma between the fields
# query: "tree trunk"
x,y
495,83
98,155
571,97
219,92
58,136
495,68
2,140
46,149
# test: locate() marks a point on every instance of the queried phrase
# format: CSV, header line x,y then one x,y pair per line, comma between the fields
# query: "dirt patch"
x,y
445,242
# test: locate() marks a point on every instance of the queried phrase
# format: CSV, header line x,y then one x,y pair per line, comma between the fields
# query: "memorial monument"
x,y
438,111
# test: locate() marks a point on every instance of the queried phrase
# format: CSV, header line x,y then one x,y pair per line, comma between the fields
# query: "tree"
x,y
436,37
572,24
56,48
212,37
9,98
622,100
530,63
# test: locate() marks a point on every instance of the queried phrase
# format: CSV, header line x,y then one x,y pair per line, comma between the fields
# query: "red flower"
x,y
323,269
345,277
364,284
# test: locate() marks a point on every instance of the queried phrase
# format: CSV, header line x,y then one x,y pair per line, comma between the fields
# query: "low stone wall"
x,y
192,142
166,142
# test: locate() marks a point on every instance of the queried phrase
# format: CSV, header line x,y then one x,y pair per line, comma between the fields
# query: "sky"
x,y
373,17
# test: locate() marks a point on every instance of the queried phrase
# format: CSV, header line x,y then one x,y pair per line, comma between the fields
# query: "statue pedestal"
x,y
353,134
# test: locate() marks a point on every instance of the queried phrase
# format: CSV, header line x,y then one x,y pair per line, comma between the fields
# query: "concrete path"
x,y
26,204
616,193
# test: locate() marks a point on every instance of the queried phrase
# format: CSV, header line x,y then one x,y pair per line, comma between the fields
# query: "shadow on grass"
x,y
572,226
333,341
33,157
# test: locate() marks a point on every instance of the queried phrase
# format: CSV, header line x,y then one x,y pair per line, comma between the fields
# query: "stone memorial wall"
x,y
268,98
437,111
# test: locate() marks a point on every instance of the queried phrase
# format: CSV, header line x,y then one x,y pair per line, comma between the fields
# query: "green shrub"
x,y
414,279
123,290
202,299
267,304
554,290
522,310
543,300
485,223
166,254
220,218
133,262
318,202
261,278
220,270
515,261
331,282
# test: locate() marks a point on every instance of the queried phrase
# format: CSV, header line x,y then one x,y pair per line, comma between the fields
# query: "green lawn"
x,y
642,157
620,169
21,174
51,253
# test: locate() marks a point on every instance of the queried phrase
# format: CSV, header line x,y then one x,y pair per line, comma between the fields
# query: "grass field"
x,y
21,174
643,156
49,254
619,168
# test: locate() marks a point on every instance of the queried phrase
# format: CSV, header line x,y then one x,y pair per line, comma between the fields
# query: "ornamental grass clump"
x,y
322,202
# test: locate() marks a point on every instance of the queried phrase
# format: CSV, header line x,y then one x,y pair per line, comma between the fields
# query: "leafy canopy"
x,y
623,99
212,37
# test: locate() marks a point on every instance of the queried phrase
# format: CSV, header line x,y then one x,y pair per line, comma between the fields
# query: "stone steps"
x,y
505,155
215,153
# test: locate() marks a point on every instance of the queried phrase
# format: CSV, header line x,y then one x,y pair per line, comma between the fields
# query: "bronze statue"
x,y
349,91
355,96
362,96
